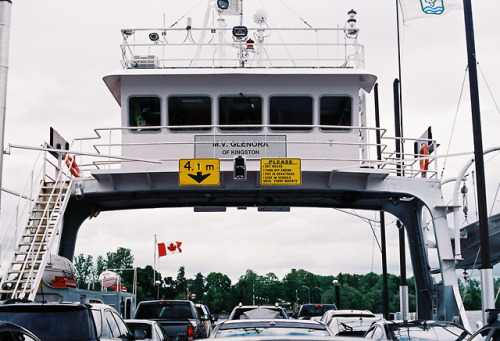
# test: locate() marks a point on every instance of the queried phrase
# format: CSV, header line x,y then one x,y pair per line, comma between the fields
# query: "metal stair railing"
x,y
29,257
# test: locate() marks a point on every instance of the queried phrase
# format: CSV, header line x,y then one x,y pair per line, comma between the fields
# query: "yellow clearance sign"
x,y
199,172
280,172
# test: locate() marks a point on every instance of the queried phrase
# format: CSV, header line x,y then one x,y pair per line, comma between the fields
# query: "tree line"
x,y
297,287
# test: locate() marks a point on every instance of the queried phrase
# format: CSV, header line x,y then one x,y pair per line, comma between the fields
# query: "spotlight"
x,y
240,31
154,36
223,4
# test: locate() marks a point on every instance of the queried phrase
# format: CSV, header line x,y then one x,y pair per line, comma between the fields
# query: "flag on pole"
x,y
162,250
417,9
172,248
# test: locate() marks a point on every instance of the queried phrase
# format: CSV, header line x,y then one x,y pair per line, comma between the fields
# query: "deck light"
x,y
240,31
223,4
154,36
240,168
351,31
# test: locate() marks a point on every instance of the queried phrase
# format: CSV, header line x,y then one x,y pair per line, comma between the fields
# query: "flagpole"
x,y
400,82
154,264
487,286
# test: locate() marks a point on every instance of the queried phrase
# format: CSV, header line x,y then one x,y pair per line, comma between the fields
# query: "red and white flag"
x,y
166,249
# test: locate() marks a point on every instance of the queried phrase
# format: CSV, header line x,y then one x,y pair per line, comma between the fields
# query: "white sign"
x,y
230,146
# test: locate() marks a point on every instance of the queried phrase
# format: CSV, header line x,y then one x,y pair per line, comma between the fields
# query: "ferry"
x,y
245,116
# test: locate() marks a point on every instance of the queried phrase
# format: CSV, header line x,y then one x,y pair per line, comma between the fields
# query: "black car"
x,y
13,332
67,321
308,311
178,318
491,331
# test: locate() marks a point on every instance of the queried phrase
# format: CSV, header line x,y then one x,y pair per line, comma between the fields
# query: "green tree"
x,y
84,270
181,283
218,292
121,259
198,287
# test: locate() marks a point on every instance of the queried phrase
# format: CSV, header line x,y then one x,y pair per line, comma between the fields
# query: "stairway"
x,y
30,256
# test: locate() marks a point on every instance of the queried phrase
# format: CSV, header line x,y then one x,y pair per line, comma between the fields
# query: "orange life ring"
x,y
73,167
424,163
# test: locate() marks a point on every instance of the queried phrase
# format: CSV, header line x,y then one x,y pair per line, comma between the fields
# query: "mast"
x,y
487,289
5,10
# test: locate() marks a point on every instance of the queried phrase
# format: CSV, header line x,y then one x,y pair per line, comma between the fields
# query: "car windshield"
x,y
315,310
54,325
271,331
426,332
167,310
133,326
257,313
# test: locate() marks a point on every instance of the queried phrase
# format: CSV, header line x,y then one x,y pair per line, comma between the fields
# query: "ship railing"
x,y
109,145
261,48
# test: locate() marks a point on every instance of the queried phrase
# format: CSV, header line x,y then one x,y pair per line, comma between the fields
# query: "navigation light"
x,y
154,36
223,4
240,168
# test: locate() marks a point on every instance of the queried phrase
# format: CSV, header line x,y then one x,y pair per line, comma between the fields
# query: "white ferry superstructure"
x,y
237,98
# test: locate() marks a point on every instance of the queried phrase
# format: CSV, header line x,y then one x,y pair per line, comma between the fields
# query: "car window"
x,y
167,310
121,325
115,331
140,326
53,323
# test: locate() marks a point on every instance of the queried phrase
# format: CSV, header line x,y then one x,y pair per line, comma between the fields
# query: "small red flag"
x,y
162,250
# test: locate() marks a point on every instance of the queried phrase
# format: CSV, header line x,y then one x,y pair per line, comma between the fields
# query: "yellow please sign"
x,y
282,171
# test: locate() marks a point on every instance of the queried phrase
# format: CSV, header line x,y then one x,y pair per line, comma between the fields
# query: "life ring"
x,y
73,167
424,163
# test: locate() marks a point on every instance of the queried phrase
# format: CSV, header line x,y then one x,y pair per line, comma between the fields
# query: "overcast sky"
x,y
60,50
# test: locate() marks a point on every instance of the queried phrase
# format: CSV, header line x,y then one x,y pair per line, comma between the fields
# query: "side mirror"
x,y
139,334
215,318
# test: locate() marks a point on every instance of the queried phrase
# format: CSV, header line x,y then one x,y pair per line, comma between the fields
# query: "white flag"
x,y
416,9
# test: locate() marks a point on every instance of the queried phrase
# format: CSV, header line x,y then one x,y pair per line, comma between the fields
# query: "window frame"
x,y
278,127
347,128
144,129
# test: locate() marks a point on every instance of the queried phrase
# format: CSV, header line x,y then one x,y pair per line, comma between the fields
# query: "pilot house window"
x,y
287,110
189,111
335,111
144,112
240,110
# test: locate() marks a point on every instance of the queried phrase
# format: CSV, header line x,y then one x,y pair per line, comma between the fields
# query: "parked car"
x,y
257,312
206,318
13,332
307,311
416,330
349,322
178,318
490,331
146,330
273,327
67,321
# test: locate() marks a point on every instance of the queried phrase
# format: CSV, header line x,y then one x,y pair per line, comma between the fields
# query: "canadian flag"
x,y
173,247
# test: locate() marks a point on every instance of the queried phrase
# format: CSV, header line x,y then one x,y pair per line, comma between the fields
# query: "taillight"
x,y
190,333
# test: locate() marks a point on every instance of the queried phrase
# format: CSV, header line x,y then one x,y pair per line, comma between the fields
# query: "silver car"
x,y
146,330
271,327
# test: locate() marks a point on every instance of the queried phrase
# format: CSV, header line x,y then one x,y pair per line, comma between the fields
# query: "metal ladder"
x,y
31,253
